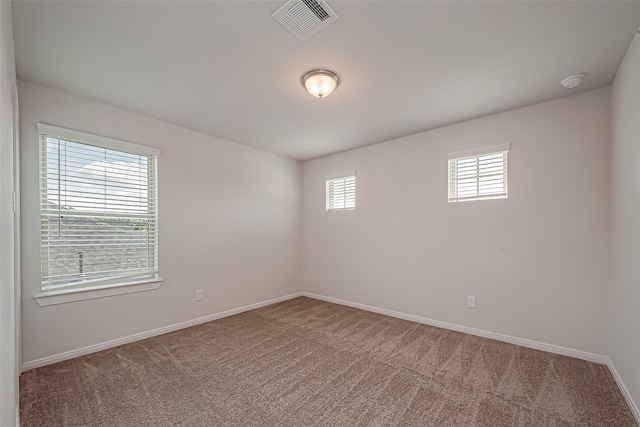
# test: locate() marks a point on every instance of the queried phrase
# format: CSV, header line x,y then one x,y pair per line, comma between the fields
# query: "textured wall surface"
x,y
229,224
624,289
537,262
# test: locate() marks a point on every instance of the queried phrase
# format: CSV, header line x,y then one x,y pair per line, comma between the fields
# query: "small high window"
x,y
341,192
478,174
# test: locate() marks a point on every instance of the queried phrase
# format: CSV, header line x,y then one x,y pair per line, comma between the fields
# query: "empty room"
x,y
319,213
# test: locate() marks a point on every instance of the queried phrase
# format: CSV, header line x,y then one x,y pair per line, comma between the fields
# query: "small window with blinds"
x,y
478,174
98,211
341,192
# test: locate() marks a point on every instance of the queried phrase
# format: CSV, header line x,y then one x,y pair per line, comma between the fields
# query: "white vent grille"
x,y
304,17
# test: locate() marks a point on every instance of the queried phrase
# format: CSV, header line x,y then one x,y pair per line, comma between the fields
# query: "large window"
x,y
478,174
98,211
341,192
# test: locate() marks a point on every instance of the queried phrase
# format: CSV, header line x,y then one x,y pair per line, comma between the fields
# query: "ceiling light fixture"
x,y
320,83
572,81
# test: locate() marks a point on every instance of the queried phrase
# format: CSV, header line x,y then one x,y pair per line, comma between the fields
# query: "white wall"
x,y
230,223
9,289
624,292
537,261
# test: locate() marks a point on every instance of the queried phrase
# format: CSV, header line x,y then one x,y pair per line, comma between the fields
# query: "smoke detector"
x,y
304,17
572,81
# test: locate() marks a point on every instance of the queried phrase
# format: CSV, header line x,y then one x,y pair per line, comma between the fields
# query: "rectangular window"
x,y
98,211
341,192
478,174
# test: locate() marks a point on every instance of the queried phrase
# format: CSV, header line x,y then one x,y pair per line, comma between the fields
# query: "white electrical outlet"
x,y
199,294
471,302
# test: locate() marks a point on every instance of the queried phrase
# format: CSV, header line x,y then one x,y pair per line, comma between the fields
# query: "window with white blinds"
x,y
98,210
478,174
341,192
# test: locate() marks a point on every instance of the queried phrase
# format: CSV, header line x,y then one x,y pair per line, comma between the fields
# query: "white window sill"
x,y
80,294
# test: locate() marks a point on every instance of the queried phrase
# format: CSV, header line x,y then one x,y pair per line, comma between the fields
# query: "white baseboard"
x,y
148,334
592,357
625,392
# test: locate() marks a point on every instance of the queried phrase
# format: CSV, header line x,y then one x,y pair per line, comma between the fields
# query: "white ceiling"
x,y
228,69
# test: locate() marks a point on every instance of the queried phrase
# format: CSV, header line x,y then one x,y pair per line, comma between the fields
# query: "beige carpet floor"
x,y
306,362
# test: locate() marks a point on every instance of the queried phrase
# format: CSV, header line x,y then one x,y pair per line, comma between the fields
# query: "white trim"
x,y
625,392
80,294
479,151
92,139
53,294
340,175
591,357
148,334
340,189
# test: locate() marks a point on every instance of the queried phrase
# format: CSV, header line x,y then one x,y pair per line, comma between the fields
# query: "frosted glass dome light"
x,y
320,83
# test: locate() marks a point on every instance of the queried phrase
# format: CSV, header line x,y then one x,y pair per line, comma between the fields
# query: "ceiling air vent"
x,y
304,17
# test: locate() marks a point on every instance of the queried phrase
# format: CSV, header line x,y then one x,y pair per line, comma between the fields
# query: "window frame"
x,y
87,290
454,158
330,181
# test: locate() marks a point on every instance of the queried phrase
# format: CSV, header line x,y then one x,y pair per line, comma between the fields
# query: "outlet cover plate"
x,y
471,302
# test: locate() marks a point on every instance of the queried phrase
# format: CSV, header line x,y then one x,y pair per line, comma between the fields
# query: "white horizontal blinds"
x,y
480,176
341,192
99,222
